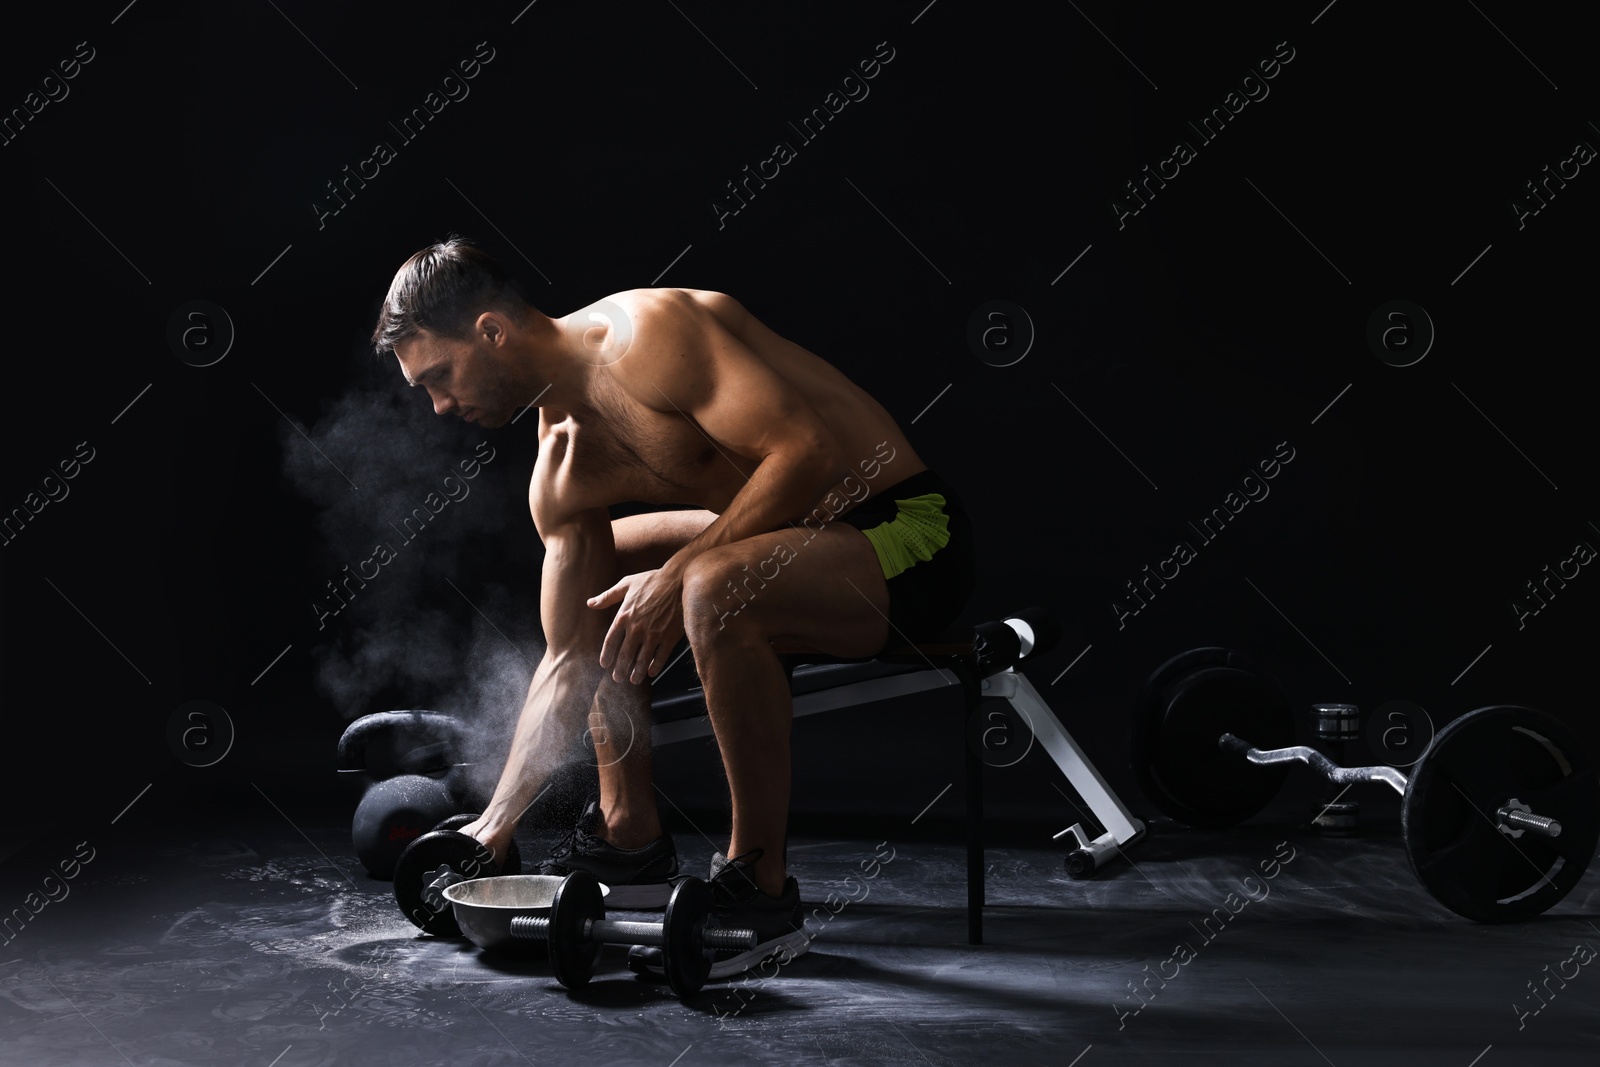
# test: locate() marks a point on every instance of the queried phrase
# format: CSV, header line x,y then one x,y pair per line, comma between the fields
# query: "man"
x,y
681,397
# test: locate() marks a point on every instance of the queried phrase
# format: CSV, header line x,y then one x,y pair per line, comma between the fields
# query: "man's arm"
x,y
741,402
579,561
699,370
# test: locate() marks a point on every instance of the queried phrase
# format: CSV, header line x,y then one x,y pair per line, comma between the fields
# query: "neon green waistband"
x,y
919,530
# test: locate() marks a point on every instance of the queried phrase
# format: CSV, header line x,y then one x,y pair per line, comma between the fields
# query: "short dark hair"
x,y
443,289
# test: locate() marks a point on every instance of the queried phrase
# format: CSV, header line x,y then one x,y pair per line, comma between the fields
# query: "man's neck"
x,y
555,375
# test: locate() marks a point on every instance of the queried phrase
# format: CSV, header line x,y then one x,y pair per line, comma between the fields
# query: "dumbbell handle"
x,y
1527,820
433,892
620,932
1331,770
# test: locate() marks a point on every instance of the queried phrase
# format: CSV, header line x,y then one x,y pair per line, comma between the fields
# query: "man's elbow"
x,y
825,464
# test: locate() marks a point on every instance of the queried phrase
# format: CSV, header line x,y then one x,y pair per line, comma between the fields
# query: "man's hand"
x,y
646,627
478,830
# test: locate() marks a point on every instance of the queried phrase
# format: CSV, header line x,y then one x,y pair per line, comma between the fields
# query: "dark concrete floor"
x,y
267,945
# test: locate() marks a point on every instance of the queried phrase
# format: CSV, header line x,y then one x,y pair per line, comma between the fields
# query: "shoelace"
x,y
570,844
722,883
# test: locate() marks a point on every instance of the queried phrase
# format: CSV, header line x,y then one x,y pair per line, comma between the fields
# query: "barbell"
x,y
1500,816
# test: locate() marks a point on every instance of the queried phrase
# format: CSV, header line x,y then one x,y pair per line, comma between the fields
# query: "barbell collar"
x,y
1316,760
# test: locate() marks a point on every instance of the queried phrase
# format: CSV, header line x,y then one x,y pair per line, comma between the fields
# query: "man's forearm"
x,y
544,736
780,489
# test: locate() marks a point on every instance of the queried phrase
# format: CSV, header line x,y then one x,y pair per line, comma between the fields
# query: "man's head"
x,y
457,323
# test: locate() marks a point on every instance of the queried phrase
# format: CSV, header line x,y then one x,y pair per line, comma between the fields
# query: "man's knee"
x,y
719,597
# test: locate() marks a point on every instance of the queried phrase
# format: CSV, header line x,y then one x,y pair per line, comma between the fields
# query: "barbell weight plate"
x,y
577,899
443,847
684,958
1451,829
1191,701
1194,659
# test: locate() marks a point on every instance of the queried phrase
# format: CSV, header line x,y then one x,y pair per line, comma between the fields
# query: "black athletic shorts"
x,y
921,533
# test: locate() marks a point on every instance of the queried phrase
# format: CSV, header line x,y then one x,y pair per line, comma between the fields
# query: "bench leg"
x,y
974,848
972,688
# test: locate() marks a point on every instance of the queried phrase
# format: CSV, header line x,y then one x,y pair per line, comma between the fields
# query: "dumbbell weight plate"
x,y
1450,825
443,847
1190,701
684,958
513,861
577,899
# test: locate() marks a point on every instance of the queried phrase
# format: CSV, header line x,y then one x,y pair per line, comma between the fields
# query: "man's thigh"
x,y
645,542
804,591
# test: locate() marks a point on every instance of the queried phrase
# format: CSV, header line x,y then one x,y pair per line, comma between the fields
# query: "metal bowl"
x,y
484,908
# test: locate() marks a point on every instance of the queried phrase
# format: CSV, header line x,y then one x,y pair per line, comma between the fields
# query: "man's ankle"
x,y
627,833
768,875
772,882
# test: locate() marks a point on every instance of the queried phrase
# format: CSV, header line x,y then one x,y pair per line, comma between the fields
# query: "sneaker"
x,y
778,922
638,877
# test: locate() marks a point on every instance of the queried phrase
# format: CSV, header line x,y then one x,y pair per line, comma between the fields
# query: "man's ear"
x,y
491,326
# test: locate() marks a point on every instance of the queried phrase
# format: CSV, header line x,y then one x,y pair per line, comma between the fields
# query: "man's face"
x,y
463,377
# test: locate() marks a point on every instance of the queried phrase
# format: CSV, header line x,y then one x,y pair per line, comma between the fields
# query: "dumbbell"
x,y
1333,727
577,928
439,859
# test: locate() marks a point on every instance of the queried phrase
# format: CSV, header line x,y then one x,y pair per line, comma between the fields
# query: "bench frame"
x,y
941,665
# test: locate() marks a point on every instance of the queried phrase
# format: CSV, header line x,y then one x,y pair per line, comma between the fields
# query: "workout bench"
x,y
982,661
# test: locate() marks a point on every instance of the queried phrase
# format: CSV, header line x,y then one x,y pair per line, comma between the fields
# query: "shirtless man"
x,y
681,397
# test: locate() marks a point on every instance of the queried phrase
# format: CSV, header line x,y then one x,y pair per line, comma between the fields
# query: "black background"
x,y
1177,352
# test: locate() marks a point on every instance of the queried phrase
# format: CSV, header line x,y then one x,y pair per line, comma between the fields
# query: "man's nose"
x,y
442,403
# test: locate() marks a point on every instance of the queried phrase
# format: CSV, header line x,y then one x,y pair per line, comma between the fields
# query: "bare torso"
x,y
612,449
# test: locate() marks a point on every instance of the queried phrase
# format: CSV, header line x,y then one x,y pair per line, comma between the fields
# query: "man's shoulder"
x,y
659,338
556,495
664,303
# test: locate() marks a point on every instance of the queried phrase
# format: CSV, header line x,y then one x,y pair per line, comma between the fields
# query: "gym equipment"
x,y
388,743
438,859
975,662
395,812
408,761
1191,700
1334,727
569,915
984,661
1500,817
